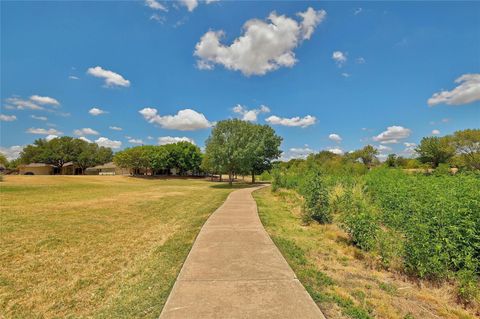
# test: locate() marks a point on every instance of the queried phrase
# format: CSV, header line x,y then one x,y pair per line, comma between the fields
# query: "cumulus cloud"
x,y
85,131
184,120
339,57
392,135
44,100
467,91
409,148
296,152
250,115
294,121
155,5
51,137
336,150
335,137
11,152
384,148
135,141
40,118
96,111
115,128
83,138
111,78
264,46
22,104
435,132
173,139
106,142
7,118
190,4
42,131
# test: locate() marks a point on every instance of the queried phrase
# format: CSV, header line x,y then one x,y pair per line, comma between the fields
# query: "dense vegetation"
x,y
158,159
240,147
424,224
61,150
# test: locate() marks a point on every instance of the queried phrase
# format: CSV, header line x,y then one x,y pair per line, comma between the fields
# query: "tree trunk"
x,y
220,176
253,177
230,180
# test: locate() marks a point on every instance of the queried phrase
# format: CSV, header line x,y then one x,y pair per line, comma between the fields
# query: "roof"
x,y
104,166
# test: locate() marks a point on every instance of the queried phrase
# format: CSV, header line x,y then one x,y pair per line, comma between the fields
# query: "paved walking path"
x,y
234,270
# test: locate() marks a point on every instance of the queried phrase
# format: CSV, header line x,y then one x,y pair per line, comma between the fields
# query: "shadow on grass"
x,y
237,185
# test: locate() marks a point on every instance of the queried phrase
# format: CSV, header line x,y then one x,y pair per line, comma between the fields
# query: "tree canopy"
x,y
236,146
182,156
61,150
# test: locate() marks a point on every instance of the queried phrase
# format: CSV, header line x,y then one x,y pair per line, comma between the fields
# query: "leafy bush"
x,y
316,199
362,227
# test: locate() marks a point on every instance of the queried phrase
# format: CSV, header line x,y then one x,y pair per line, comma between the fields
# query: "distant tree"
x,y
401,161
228,145
434,150
91,155
3,160
368,155
263,147
467,146
391,160
184,156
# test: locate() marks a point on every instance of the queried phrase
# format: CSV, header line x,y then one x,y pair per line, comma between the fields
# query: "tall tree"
x,y
434,150
263,147
368,155
467,145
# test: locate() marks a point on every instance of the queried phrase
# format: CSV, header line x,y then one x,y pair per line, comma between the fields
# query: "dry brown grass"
x,y
96,246
326,250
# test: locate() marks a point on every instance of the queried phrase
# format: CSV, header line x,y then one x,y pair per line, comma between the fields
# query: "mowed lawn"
x,y
96,246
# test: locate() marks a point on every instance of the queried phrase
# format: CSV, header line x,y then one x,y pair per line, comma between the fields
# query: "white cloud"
x,y
436,132
155,5
85,131
250,115
357,11
51,137
83,138
190,4
296,152
73,77
40,118
21,104
95,111
111,78
106,142
360,60
135,141
294,121
115,128
336,150
392,135
7,118
383,148
467,91
346,75
42,131
149,137
335,137
173,139
339,57
409,148
44,100
264,46
11,152
184,120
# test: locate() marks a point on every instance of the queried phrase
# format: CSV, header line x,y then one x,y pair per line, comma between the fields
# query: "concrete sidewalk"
x,y
234,270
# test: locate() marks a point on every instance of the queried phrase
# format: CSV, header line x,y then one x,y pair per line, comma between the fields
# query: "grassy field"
x,y
343,279
102,247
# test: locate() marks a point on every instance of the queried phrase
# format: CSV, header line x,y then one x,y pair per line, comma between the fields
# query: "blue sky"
x,y
364,71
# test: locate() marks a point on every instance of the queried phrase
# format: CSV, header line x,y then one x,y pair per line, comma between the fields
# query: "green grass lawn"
x,y
343,280
96,246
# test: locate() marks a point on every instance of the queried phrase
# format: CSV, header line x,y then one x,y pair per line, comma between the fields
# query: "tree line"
x,y
160,159
61,150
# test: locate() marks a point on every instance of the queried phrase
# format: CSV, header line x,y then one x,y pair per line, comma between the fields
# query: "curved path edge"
x,y
234,270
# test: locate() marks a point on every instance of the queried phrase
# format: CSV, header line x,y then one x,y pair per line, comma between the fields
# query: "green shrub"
x,y
468,290
315,194
362,227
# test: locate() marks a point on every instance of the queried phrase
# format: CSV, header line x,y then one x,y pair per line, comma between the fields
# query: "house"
x,y
69,168
107,169
36,169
